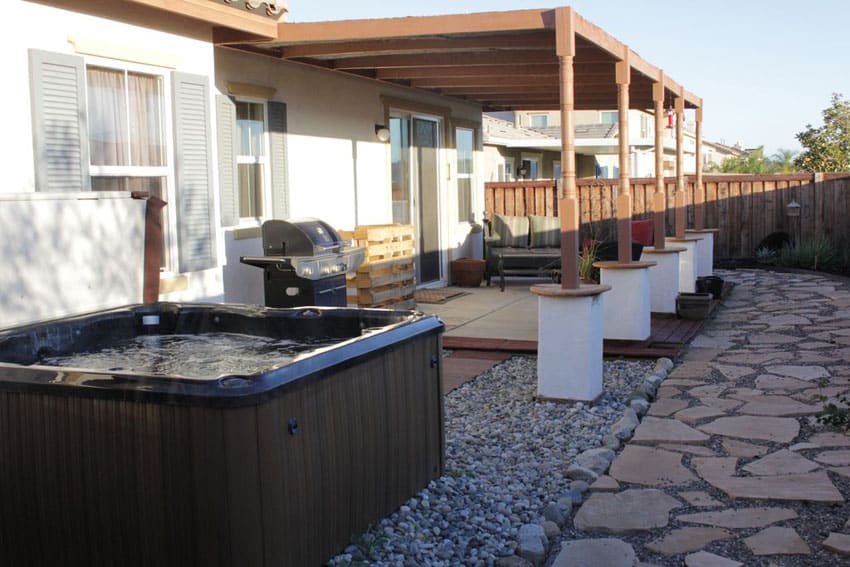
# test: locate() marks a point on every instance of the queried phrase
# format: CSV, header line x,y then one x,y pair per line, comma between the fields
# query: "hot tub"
x,y
277,466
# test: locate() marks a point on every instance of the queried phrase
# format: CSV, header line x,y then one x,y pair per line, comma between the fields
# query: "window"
x,y
251,159
465,145
105,125
609,117
645,128
556,170
509,169
127,133
538,120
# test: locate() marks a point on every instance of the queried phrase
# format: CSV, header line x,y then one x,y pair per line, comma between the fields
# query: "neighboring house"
x,y
597,136
513,152
713,154
116,97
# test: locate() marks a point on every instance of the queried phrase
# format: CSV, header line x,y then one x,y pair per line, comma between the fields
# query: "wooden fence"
x,y
745,208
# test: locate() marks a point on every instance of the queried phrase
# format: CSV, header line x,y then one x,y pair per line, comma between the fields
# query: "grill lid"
x,y
300,237
309,246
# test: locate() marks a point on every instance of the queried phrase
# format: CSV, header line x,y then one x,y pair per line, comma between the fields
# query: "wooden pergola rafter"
x,y
550,59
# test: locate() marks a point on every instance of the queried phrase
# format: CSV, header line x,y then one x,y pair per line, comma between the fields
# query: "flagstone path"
x,y
730,465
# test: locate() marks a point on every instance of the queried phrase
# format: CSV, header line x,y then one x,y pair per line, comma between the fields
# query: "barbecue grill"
x,y
305,263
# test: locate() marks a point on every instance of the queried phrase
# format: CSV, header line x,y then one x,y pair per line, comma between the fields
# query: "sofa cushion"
x,y
545,231
512,231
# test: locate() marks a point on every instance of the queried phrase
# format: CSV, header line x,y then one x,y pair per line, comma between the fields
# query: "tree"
x,y
756,163
752,161
827,148
782,161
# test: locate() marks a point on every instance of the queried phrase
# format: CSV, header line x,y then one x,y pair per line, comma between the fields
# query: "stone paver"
x,y
657,430
835,458
809,487
733,372
800,372
781,462
840,543
602,552
699,499
689,449
757,517
650,466
696,414
777,541
666,406
776,429
773,382
630,511
724,433
684,540
706,559
735,448
778,406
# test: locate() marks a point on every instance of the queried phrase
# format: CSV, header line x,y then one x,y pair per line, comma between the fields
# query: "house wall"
x,y
77,252
338,170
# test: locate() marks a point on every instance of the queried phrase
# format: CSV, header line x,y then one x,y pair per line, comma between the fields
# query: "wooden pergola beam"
x,y
546,69
659,198
444,60
499,89
389,28
624,196
568,206
699,190
481,82
420,45
680,204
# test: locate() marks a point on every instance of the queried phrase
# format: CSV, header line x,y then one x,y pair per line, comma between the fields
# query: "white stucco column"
x,y
705,266
663,277
688,262
569,343
627,307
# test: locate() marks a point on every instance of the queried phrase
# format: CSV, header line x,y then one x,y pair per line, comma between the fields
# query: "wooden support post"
x,y
568,205
680,167
624,197
659,199
699,190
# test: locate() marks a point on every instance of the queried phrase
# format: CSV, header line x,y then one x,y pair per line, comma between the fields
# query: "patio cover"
x,y
551,59
500,60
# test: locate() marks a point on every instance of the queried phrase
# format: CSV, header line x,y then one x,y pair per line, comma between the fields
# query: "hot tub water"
x,y
205,356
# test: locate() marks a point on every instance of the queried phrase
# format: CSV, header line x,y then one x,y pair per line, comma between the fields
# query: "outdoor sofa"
x,y
531,246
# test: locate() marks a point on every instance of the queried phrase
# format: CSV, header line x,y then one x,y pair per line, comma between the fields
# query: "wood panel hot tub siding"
x,y
96,481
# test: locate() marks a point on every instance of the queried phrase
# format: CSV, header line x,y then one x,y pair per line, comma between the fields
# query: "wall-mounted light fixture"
x,y
792,209
382,132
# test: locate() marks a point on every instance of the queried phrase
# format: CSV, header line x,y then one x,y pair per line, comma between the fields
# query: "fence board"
x,y
745,243
745,208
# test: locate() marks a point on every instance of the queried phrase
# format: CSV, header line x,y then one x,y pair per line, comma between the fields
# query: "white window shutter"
x,y
193,171
278,160
228,180
60,138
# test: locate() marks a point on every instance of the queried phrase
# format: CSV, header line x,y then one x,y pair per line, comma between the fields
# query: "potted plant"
x,y
586,270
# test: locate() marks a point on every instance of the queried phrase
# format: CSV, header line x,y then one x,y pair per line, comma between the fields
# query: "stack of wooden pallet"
x,y
387,277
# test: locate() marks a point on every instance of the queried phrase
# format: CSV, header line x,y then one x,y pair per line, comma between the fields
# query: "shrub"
x,y
814,254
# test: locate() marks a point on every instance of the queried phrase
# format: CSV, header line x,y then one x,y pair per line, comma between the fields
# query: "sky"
x,y
764,69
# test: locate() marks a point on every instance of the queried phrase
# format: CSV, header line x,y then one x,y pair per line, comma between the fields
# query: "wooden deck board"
x,y
668,336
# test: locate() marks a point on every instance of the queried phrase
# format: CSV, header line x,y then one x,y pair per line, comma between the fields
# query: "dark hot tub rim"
x,y
232,390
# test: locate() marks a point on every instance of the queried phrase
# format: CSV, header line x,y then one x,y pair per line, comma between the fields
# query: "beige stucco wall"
x,y
338,170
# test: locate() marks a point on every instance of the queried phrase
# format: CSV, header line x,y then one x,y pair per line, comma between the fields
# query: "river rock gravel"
x,y
506,461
